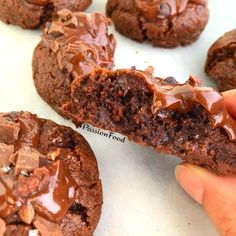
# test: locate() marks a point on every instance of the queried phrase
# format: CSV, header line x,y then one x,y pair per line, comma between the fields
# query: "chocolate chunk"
x,y
9,130
27,160
46,228
164,11
9,180
26,213
5,152
27,186
2,227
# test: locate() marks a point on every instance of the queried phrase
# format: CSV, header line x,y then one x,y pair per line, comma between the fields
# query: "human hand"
x,y
216,194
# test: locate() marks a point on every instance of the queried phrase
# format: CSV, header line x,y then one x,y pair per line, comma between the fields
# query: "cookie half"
x,y
30,14
71,47
221,61
49,179
184,120
165,23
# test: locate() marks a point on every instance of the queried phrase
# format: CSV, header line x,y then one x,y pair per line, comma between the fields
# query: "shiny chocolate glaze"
x,y
182,97
81,42
53,202
162,9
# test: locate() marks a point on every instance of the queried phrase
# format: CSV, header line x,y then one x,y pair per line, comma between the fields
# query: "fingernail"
x,y
190,182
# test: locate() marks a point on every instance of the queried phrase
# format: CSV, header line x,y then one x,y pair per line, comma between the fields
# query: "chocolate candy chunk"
x,y
46,228
9,130
2,227
26,213
5,152
27,186
27,160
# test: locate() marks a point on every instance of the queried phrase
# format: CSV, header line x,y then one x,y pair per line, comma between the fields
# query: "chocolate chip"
x,y
9,130
46,228
27,186
164,11
27,213
171,80
27,160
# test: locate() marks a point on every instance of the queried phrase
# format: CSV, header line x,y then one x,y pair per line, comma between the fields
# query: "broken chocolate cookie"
x,y
184,120
31,14
71,46
165,23
49,180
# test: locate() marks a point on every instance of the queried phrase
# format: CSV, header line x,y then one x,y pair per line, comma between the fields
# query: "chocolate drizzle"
x,y
182,97
81,42
53,202
162,9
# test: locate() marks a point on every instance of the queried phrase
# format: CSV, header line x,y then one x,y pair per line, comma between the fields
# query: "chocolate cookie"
x,y
72,46
166,23
31,14
184,120
221,61
49,181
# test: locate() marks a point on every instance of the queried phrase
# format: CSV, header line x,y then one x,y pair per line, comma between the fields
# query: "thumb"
x,y
230,102
216,194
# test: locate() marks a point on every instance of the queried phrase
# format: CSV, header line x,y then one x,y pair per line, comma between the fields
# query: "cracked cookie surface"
x,y
30,14
165,23
49,180
221,61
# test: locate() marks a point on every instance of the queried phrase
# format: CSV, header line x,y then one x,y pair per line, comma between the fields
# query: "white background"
x,y
141,196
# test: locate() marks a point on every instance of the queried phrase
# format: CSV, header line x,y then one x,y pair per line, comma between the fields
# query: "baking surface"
x,y
141,196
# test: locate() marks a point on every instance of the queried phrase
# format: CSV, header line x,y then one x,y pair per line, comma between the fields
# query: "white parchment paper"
x,y
141,196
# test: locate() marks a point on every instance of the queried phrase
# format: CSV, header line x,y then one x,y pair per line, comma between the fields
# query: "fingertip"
x,y
230,102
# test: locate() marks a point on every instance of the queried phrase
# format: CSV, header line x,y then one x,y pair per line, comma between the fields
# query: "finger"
x,y
230,102
216,194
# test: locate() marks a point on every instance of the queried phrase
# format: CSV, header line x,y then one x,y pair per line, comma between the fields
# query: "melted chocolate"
x,y
39,2
29,131
81,42
182,97
162,9
54,202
